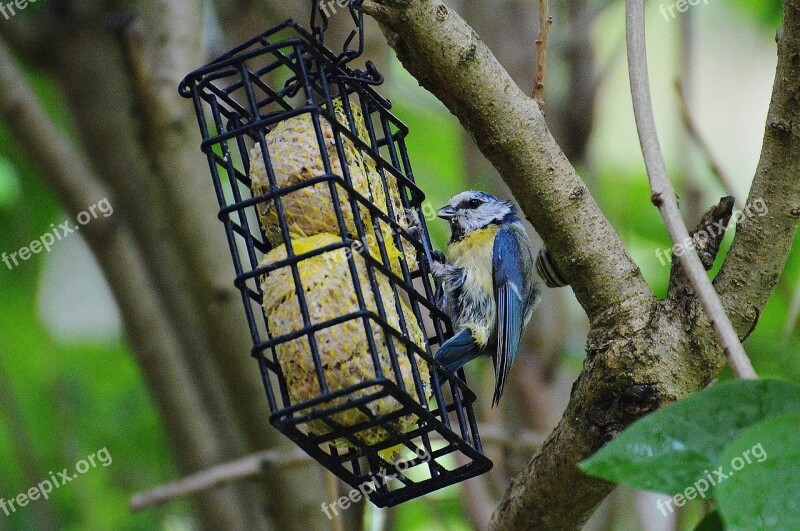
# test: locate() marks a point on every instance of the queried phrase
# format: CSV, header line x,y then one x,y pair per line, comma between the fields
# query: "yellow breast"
x,y
473,251
473,254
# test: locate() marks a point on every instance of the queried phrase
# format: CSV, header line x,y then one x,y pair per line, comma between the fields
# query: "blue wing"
x,y
457,351
508,289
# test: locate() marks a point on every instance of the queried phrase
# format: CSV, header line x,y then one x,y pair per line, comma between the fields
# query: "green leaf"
x,y
711,522
763,487
670,449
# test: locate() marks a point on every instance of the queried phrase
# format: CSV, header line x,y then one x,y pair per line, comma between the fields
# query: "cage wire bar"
x,y
427,438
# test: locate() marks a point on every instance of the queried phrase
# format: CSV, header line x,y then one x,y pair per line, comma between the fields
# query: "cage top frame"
x,y
236,55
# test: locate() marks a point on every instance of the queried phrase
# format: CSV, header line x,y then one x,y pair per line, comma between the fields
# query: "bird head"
x,y
470,211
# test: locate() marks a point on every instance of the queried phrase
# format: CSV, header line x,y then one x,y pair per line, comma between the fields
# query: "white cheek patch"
x,y
470,220
473,221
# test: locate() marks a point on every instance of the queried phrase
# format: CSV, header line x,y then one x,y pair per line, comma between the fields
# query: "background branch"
x,y
693,129
664,195
147,326
246,468
270,461
161,50
545,22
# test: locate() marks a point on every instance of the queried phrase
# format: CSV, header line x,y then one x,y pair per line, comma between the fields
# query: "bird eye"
x,y
474,203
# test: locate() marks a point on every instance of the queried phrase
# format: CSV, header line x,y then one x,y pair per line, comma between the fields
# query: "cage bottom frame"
x,y
433,446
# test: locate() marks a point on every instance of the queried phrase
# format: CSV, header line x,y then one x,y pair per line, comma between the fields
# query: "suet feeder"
x,y
331,253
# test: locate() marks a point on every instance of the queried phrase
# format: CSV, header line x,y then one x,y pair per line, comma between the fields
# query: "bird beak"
x,y
447,212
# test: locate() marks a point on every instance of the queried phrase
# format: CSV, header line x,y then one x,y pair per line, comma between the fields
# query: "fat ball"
x,y
343,348
295,155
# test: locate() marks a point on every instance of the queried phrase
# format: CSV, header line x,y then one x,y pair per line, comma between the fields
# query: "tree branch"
x,y
451,61
268,461
641,354
545,22
246,468
766,239
664,196
706,238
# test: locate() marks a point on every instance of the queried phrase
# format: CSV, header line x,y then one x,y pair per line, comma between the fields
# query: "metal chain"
x,y
350,52
318,28
357,14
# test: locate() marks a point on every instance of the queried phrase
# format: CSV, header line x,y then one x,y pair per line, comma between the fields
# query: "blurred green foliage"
x,y
767,12
73,399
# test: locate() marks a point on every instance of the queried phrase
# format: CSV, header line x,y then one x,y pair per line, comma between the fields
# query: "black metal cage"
x,y
331,252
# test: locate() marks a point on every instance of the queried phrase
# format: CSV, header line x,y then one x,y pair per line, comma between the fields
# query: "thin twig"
x,y
545,21
248,467
663,195
694,132
257,464
160,48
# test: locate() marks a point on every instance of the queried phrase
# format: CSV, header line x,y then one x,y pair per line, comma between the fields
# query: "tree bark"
x,y
641,353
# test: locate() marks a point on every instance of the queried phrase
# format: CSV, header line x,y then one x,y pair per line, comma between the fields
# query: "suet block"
x,y
343,348
295,155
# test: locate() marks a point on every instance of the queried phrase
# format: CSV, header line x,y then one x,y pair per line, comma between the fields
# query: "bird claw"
x,y
438,298
439,271
412,223
438,268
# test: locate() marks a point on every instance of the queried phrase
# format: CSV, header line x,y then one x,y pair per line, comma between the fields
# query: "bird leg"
x,y
448,278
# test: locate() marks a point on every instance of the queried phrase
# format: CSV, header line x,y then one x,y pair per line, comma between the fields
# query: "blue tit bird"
x,y
489,282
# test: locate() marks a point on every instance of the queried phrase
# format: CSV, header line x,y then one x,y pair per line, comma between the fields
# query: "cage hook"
x,y
370,76
320,19
357,14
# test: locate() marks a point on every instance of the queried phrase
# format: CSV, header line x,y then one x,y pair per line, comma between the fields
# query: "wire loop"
x,y
353,46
